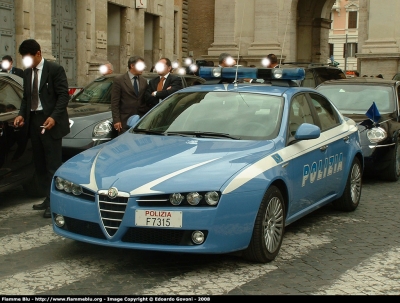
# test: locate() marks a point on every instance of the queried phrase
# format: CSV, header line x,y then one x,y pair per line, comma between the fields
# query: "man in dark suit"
x,y
7,66
161,87
44,111
127,95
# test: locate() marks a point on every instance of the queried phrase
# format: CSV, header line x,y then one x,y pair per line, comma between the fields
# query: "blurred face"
x,y
137,68
162,68
30,61
5,64
228,62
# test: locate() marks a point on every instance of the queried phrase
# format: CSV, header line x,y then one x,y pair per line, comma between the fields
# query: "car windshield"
x,y
231,115
357,99
10,96
99,91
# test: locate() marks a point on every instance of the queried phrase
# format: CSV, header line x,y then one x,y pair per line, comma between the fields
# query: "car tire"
x,y
33,189
269,228
352,193
393,171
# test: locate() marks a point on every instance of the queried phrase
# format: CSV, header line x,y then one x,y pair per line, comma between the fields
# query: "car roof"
x,y
361,80
247,88
16,78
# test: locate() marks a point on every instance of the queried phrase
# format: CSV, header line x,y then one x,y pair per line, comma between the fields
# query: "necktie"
x,y
135,86
160,84
35,91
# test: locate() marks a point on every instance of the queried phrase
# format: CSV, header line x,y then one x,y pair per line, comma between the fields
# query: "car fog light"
x,y
176,199
376,134
211,197
193,198
197,237
67,186
76,189
59,220
60,183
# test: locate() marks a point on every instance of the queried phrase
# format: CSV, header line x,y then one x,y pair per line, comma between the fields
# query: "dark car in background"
x,y
90,113
317,73
16,162
380,139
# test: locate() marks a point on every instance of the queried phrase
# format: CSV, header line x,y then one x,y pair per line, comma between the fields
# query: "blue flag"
x,y
373,113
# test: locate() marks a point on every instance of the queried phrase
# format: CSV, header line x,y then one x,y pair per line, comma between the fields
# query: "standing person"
x,y
7,66
44,111
127,94
161,87
273,61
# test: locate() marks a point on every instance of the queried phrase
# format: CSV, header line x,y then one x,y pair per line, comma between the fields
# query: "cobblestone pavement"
x,y
326,253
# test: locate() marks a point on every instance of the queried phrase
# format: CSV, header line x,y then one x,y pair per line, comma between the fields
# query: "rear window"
x,y
325,74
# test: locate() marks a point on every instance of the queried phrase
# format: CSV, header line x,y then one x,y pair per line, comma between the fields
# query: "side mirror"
x,y
132,120
307,131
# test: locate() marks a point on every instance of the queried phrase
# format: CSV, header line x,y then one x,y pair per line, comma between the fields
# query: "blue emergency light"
x,y
210,73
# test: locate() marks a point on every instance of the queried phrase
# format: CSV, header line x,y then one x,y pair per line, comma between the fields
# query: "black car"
x,y
380,130
90,113
317,73
16,162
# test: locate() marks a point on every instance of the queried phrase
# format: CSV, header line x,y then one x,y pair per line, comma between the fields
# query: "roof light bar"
x,y
210,73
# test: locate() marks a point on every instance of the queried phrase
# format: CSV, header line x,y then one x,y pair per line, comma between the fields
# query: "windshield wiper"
x,y
202,134
148,131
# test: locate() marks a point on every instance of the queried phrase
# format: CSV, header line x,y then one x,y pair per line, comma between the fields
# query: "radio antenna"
x,y
240,40
284,39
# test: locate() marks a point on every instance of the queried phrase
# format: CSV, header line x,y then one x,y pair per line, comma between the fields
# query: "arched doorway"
x,y
313,24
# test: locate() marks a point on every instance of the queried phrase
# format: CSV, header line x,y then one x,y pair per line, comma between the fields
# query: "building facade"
x,y
83,34
343,35
299,31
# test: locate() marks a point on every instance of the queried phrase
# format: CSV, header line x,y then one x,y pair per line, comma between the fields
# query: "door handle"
x,y
346,139
324,148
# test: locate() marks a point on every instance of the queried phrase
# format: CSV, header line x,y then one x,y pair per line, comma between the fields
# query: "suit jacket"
x,y
124,101
53,94
17,71
172,80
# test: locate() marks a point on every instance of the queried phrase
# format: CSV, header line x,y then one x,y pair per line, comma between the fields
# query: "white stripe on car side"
x,y
92,180
288,153
146,188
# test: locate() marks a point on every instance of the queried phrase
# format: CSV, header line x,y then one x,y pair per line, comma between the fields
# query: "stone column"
x,y
379,52
224,28
266,22
40,17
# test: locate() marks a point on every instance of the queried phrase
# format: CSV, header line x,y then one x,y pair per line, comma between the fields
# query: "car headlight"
x,y
193,198
376,134
212,197
102,129
68,186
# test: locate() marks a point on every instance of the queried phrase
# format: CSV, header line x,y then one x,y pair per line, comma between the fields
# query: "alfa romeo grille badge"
x,y
112,192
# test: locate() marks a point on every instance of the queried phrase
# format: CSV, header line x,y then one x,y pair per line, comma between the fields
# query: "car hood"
x,y
82,115
137,163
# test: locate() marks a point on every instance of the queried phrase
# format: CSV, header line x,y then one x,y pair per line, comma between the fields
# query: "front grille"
x,y
159,236
83,228
112,211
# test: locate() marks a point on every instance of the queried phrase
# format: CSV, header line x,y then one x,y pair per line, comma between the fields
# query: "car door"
x,y
307,160
336,144
16,163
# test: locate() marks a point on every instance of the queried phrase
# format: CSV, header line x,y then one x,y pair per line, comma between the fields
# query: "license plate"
x,y
158,218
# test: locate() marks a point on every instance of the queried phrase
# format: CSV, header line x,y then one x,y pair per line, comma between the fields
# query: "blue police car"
x,y
214,169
